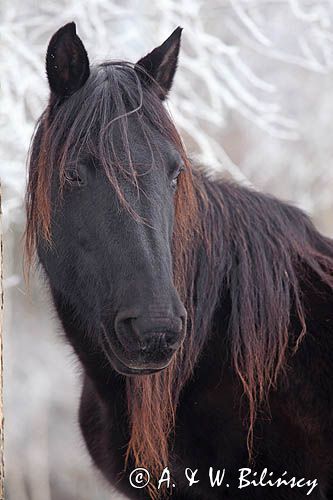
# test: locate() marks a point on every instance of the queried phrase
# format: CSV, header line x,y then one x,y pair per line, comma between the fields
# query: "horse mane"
x,y
226,237
265,254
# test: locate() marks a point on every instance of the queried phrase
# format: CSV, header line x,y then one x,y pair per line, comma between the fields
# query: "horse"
x,y
201,310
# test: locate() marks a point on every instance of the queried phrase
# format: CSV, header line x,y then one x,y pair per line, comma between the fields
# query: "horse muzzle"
x,y
144,344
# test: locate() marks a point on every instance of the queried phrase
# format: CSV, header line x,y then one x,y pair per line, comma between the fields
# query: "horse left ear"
x,y
67,64
159,66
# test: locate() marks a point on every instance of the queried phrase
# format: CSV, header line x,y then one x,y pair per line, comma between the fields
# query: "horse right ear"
x,y
67,63
160,65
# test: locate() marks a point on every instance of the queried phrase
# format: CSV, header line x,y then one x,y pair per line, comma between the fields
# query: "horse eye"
x,y
174,181
73,177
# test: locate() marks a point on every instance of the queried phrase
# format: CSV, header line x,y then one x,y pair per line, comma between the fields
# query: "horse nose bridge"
x,y
151,293
161,310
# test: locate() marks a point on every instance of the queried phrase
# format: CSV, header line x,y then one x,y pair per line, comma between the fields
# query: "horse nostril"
x,y
159,341
172,338
126,333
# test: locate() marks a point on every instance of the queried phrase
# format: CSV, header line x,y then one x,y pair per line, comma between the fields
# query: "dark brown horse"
x,y
201,311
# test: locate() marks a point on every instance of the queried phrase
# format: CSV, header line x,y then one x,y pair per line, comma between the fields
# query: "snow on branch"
x,y
227,47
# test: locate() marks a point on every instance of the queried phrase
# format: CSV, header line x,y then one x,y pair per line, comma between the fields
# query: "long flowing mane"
x,y
226,239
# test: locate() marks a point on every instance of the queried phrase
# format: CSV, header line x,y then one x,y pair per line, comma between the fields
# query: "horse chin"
x,y
125,370
128,368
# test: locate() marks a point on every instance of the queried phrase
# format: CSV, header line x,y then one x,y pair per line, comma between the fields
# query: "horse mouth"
x,y
114,354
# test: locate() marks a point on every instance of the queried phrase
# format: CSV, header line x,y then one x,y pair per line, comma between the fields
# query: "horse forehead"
x,y
142,149
138,130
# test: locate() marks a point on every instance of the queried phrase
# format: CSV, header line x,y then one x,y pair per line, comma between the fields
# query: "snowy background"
x,y
253,97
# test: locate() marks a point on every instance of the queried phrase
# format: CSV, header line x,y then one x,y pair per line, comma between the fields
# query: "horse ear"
x,y
67,64
159,66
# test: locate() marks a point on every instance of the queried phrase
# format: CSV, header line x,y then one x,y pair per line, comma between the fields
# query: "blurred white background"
x,y
253,98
